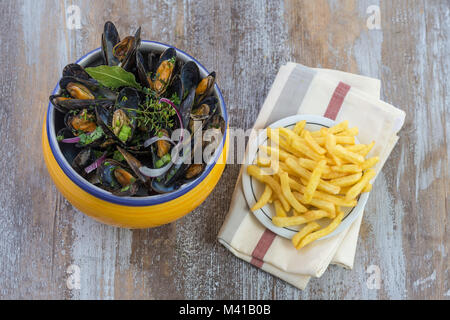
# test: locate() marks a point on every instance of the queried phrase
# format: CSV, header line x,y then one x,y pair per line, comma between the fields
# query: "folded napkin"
x,y
337,95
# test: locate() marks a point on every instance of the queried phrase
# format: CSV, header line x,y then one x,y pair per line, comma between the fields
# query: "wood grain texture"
x,y
405,228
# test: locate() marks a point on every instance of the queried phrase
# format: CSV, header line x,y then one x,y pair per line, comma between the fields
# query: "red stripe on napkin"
x,y
268,236
336,100
261,248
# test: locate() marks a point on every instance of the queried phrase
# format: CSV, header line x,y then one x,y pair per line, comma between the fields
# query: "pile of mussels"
x,y
120,138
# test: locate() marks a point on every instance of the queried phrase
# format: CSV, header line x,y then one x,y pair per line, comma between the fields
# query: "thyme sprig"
x,y
154,116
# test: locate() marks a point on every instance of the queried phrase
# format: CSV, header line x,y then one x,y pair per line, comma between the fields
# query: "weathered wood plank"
x,y
404,232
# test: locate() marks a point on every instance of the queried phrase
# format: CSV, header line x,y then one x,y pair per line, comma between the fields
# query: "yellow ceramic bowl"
x,y
130,212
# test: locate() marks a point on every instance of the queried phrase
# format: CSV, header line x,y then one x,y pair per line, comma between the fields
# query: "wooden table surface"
x,y
405,229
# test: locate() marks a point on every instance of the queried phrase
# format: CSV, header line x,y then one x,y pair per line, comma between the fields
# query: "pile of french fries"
x,y
311,175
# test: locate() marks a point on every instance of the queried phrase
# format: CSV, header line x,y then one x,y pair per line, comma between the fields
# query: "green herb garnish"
x,y
175,99
86,139
154,116
124,133
118,156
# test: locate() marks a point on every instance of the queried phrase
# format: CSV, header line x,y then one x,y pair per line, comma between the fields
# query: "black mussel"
x,y
163,146
134,164
110,38
205,87
194,170
205,109
175,90
125,51
83,121
142,72
119,121
164,71
75,70
67,149
190,76
83,124
217,122
160,187
83,159
65,104
114,177
85,89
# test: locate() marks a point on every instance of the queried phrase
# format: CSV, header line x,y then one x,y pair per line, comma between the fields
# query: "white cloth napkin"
x,y
340,96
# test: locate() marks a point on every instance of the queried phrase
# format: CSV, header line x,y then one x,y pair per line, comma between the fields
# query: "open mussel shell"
x,y
125,51
110,38
205,87
205,109
68,150
115,118
114,177
83,159
83,121
92,86
162,77
134,164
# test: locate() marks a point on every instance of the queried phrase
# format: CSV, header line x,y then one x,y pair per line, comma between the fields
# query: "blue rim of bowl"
x,y
132,201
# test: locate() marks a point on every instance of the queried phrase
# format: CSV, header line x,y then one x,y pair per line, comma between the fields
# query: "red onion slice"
x,y
165,100
95,164
71,140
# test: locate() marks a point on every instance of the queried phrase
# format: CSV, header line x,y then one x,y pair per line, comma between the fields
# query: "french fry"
x,y
339,140
367,149
263,162
255,172
369,163
313,144
311,164
286,190
333,175
313,181
303,148
279,211
288,134
318,203
347,168
367,188
322,232
264,199
338,127
354,191
277,153
352,157
330,145
310,227
274,135
301,219
349,132
303,173
357,148
347,180
336,200
299,126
